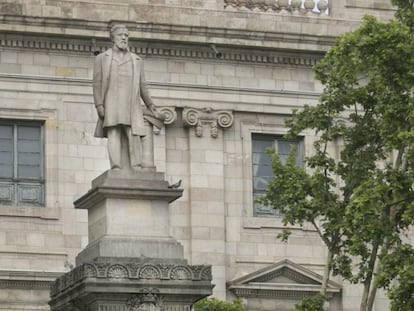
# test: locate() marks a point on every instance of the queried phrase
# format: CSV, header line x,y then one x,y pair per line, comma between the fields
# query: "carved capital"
x,y
147,299
168,116
169,113
198,118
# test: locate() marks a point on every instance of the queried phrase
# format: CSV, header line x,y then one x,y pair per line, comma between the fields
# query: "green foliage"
x,y
311,303
361,202
399,267
369,73
405,12
212,304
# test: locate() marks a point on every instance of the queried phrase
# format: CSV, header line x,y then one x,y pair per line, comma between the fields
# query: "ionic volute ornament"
x,y
170,116
199,118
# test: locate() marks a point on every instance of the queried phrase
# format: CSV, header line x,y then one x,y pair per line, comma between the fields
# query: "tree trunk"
x,y
371,297
384,251
326,273
367,283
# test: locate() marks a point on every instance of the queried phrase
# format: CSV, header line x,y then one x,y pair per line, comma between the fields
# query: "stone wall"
x,y
179,11
46,59
172,17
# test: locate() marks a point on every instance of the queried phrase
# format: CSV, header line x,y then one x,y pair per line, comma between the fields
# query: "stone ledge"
x,y
27,279
126,184
128,178
165,48
141,249
26,285
98,194
372,5
273,223
31,212
75,29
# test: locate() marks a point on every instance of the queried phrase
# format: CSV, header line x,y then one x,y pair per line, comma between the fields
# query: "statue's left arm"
x,y
144,91
146,96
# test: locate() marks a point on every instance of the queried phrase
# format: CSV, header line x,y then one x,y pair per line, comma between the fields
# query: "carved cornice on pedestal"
x,y
198,118
131,271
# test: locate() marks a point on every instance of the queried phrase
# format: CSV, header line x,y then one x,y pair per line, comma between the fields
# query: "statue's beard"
x,y
123,45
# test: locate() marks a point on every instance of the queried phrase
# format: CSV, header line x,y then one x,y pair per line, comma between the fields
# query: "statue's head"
x,y
119,36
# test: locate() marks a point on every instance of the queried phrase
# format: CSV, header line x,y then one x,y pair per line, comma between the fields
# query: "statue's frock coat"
x,y
133,108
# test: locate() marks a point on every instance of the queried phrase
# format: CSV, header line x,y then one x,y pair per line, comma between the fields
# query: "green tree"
x,y
405,12
400,268
212,304
303,197
311,303
361,202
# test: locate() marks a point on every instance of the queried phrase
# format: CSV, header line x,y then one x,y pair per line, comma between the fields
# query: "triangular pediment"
x,y
284,277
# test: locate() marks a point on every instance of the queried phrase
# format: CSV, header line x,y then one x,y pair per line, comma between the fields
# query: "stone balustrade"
x,y
279,6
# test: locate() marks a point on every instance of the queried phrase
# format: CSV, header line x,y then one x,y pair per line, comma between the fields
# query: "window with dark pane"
x,y
21,163
262,165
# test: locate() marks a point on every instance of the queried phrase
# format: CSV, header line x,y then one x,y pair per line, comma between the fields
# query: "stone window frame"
x,y
247,128
26,190
46,116
273,139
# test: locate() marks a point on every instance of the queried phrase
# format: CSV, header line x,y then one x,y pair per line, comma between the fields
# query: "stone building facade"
x,y
226,73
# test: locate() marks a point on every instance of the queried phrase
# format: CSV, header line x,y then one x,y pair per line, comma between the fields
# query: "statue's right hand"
x,y
101,111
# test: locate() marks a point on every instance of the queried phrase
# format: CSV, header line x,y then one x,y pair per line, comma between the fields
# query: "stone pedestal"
x,y
131,261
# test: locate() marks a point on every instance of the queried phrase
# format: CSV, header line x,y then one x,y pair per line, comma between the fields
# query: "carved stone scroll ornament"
x,y
198,118
148,299
170,115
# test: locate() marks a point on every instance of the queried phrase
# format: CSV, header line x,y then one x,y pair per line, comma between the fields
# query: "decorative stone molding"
x,y
147,299
131,271
200,52
225,39
272,282
170,114
279,6
38,280
29,284
199,118
117,272
170,117
275,294
149,272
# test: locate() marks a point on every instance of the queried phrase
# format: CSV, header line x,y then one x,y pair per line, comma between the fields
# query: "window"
x,y
21,163
262,165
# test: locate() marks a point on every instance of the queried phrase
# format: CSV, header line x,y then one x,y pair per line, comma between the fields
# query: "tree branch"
x,y
325,240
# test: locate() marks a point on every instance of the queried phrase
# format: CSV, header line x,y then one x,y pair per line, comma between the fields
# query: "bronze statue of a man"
x,y
118,86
